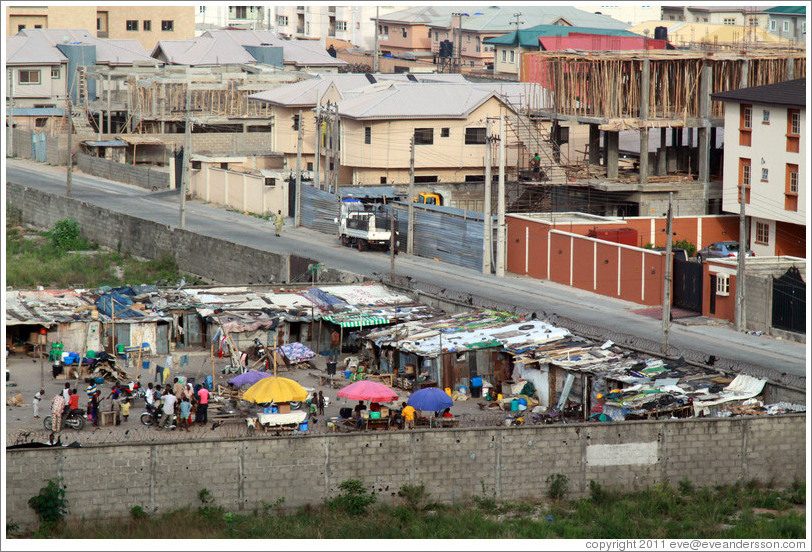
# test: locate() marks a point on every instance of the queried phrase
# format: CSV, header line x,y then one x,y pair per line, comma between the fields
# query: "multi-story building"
x,y
744,16
788,22
218,16
115,22
765,157
630,14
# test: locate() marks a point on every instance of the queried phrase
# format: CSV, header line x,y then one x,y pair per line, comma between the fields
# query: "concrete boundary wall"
x,y
455,464
220,260
143,177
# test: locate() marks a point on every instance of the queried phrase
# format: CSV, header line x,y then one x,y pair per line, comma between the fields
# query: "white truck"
x,y
363,226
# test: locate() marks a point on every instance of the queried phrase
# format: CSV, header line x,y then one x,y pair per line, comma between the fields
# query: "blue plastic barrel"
x,y
274,410
514,405
523,401
303,426
476,382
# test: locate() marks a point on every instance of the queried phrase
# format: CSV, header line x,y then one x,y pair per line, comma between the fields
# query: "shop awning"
x,y
356,320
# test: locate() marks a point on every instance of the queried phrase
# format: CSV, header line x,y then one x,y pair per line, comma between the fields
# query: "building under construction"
x,y
655,102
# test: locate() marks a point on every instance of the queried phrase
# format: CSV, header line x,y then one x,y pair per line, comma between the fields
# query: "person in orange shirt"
x,y
408,413
73,401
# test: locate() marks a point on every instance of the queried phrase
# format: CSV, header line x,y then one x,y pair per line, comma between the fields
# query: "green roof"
x,y
789,10
529,37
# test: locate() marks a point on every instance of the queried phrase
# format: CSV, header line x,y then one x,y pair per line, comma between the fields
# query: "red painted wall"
x,y
607,269
725,305
560,258
582,275
790,239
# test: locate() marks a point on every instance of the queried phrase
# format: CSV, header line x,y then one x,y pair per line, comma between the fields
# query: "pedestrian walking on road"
x,y
278,221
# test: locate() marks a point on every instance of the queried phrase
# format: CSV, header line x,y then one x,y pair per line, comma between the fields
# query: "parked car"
x,y
722,249
678,253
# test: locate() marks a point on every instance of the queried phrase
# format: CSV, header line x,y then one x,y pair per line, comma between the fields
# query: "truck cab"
x,y
363,226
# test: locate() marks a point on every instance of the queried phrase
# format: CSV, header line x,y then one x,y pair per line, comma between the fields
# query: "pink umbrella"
x,y
366,390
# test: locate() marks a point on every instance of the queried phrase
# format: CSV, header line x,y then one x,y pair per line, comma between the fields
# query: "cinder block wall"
x,y
509,463
143,177
235,264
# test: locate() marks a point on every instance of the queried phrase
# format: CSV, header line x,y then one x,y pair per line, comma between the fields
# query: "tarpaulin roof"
x,y
323,299
117,304
356,320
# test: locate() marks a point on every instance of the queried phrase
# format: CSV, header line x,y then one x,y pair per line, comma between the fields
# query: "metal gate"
x,y
789,302
319,210
39,148
687,285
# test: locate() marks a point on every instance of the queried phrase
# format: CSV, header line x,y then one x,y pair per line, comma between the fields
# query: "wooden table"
x,y
445,422
378,424
386,379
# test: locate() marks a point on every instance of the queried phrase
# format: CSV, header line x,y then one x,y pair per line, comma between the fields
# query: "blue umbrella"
x,y
430,399
251,376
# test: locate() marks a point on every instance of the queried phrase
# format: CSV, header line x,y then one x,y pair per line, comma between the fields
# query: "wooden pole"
x,y
113,322
211,350
275,337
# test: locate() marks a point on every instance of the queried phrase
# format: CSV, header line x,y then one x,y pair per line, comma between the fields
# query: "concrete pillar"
x,y
790,68
645,84
594,144
745,73
662,154
704,134
612,144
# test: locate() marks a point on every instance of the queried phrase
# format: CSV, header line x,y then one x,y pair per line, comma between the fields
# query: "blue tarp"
x,y
324,299
122,301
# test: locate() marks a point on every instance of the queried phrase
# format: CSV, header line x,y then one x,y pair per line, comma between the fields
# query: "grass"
x,y
32,259
659,512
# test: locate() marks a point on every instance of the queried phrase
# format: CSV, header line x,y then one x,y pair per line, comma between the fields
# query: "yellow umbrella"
x,y
275,389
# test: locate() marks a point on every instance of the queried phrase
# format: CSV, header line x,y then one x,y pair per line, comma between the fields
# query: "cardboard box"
x,y
284,408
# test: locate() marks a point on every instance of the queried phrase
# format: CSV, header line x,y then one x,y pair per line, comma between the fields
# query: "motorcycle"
x,y
75,419
133,391
153,416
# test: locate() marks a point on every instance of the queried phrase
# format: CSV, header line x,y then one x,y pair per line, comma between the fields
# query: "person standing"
x,y
66,393
114,396
168,409
408,415
38,399
57,406
278,221
73,402
150,394
201,415
320,401
185,413
177,389
125,409
335,342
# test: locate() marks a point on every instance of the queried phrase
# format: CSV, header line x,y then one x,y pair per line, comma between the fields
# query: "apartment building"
x,y
787,22
765,157
147,24
353,24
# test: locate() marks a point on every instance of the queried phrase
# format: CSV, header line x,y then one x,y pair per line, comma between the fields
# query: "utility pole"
x,y
328,147
187,153
375,59
667,282
459,16
392,230
336,133
740,314
487,239
517,15
298,208
500,202
316,160
11,113
410,231
70,150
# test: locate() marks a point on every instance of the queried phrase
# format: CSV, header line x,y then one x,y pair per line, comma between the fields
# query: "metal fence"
x,y
319,210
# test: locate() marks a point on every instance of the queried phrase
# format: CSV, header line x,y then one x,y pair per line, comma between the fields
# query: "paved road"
x,y
533,295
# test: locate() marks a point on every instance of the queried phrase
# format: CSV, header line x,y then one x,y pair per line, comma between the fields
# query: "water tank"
x,y
660,33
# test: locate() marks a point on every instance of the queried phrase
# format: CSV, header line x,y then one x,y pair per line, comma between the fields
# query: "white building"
x,y
218,16
765,154
354,24
631,14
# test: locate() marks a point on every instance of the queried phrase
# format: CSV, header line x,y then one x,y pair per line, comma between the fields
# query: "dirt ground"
x,y
21,426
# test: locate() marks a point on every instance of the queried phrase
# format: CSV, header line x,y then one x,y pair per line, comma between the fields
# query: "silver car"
x,y
724,249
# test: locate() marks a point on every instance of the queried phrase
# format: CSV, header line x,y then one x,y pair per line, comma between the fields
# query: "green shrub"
x,y
558,486
414,495
50,504
138,512
686,487
689,247
354,497
596,492
65,234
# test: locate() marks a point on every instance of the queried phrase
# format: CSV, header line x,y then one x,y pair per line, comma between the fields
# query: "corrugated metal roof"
x,y
369,191
38,46
789,93
529,38
139,139
37,112
106,143
787,10
417,101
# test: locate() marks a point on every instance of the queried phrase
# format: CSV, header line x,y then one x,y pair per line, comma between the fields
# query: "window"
x,y
475,135
765,117
512,56
424,180
55,72
310,165
762,233
423,136
40,122
132,25
467,38
270,181
197,165
167,25
202,9
20,28
753,22
504,55
785,26
793,130
240,12
744,179
98,24
28,76
729,21
722,284
295,123
772,26
224,165
765,173
341,25
445,132
282,20
745,124
147,25
367,135
436,36
403,31
383,180
791,188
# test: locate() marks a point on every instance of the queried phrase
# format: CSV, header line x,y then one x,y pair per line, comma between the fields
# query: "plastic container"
x,y
267,410
476,382
499,397
463,390
374,415
331,367
347,374
274,410
303,426
514,405
523,401
476,392
448,391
